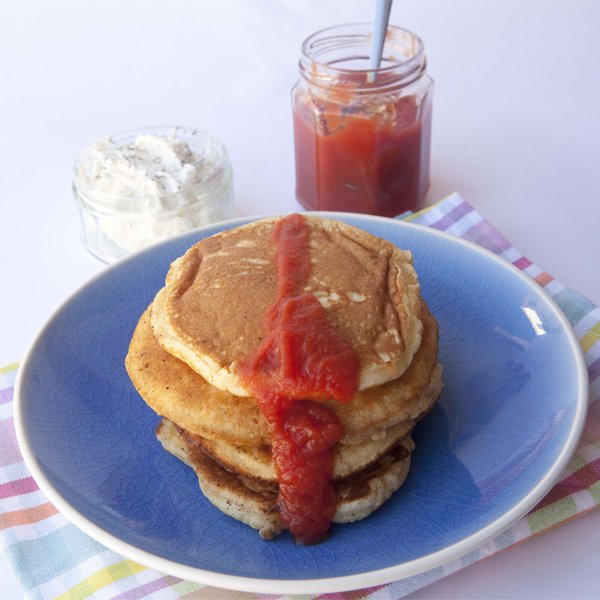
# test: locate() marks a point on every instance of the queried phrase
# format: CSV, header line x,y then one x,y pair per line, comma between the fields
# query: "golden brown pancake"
x,y
175,391
254,502
210,314
255,461
186,348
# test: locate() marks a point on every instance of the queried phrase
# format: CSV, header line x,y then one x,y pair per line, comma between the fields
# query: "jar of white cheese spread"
x,y
145,185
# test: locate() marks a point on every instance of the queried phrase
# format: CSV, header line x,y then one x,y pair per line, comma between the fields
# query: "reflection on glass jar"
x,y
362,137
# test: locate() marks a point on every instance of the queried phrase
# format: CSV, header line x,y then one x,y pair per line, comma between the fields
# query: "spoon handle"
x,y
382,16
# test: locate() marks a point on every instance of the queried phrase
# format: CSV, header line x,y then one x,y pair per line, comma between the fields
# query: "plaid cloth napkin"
x,y
51,558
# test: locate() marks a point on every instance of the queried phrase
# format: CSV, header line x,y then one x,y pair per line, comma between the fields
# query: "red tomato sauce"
x,y
301,360
356,162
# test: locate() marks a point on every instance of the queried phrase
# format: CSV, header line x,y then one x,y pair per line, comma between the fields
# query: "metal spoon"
x,y
382,17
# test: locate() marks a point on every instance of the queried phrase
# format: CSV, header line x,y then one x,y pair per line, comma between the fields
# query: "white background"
x,y
516,132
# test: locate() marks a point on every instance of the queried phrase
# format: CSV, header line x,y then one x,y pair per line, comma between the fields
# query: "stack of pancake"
x,y
185,353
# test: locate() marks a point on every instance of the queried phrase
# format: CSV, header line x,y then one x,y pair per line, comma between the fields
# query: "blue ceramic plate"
x,y
509,418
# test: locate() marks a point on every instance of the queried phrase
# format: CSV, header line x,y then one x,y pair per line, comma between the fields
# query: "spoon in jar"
x,y
382,17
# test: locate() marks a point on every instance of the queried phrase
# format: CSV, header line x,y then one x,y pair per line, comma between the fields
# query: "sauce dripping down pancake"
x,y
301,359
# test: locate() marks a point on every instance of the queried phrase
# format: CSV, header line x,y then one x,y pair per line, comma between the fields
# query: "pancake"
x,y
255,461
210,313
205,327
173,390
254,502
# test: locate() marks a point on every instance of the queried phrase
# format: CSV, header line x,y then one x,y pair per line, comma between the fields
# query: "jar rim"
x,y
397,71
221,177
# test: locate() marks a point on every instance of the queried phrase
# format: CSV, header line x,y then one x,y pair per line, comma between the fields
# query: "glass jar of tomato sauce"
x,y
362,136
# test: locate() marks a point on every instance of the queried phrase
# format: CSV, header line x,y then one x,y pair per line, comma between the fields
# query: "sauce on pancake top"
x,y
301,360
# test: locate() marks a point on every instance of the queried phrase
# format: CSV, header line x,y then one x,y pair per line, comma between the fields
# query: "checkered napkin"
x,y
51,558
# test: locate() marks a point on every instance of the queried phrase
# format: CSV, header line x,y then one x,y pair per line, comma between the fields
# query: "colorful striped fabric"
x,y
53,559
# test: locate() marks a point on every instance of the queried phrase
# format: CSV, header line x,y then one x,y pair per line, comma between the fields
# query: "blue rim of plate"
x,y
319,584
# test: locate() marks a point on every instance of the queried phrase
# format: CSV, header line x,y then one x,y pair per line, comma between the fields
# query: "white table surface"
x,y
516,132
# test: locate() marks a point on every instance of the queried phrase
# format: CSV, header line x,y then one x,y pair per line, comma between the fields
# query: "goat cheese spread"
x,y
151,188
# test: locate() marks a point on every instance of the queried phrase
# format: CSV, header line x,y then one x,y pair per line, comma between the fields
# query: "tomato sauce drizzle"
x,y
301,360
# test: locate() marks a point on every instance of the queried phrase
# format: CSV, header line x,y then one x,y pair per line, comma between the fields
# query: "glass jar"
x,y
362,136
148,184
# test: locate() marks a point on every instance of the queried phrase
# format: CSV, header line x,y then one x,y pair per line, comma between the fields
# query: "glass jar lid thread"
x,y
339,57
